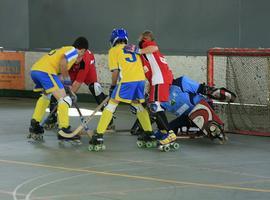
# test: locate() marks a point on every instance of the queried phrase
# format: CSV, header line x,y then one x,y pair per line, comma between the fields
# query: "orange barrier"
x,y
12,70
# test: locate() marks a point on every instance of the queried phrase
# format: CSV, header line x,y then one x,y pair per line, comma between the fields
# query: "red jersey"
x,y
85,71
157,65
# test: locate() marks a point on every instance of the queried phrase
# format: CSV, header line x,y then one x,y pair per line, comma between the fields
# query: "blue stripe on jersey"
x,y
71,54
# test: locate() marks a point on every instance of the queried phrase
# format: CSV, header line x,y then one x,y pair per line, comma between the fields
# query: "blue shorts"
x,y
129,91
45,81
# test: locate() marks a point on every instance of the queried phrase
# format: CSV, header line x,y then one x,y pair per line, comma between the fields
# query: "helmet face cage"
x,y
118,34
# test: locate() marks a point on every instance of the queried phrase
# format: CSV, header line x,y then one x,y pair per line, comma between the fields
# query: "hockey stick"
x,y
88,132
48,117
85,122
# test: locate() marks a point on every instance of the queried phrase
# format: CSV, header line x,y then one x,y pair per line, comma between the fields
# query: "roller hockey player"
x,y
45,76
83,71
193,109
160,78
185,95
127,86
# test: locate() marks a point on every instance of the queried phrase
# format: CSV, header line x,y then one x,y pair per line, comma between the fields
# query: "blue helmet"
x,y
118,34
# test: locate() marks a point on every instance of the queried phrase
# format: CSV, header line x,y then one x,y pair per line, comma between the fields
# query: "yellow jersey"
x,y
50,62
129,64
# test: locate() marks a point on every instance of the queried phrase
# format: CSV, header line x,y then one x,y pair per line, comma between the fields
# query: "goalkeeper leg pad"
x,y
204,117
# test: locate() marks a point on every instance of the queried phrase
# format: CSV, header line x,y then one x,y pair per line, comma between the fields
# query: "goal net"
x,y
247,73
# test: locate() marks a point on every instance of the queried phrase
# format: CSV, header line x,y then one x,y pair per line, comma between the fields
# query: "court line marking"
x,y
14,193
145,178
118,192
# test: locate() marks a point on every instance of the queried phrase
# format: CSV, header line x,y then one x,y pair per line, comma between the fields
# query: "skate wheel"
x,y
166,148
29,136
97,148
140,144
148,144
103,147
90,148
175,146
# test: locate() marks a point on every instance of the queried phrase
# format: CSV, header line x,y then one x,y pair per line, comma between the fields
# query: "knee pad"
x,y
111,106
95,89
155,107
98,89
204,117
66,100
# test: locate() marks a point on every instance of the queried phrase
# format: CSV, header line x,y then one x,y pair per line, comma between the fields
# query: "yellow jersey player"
x,y
45,73
128,81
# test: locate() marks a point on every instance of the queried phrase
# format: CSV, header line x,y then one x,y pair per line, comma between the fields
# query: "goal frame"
x,y
230,52
245,52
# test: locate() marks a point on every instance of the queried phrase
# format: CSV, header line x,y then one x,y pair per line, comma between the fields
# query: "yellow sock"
x,y
106,117
62,111
143,117
40,109
104,121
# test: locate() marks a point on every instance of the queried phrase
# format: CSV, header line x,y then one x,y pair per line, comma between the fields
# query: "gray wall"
x,y
181,26
14,24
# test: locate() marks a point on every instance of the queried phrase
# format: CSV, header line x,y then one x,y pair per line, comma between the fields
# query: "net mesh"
x,y
249,77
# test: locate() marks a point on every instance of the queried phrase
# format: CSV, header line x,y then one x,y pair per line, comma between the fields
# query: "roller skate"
x,y
51,122
166,140
96,143
35,131
216,132
146,140
74,140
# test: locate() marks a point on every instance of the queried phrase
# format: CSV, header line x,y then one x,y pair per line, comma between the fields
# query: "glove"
x,y
111,90
132,48
67,82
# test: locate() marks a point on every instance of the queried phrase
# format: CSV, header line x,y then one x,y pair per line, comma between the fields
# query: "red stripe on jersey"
x,y
161,72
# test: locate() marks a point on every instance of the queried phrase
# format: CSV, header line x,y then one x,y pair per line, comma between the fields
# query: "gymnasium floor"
x,y
238,170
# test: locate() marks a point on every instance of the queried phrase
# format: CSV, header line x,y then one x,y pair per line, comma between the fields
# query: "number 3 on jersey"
x,y
132,58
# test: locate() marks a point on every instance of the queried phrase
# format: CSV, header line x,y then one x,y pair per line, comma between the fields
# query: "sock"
x,y
104,121
40,109
144,119
62,111
106,117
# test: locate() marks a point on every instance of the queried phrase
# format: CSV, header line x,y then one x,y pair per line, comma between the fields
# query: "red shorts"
x,y
160,92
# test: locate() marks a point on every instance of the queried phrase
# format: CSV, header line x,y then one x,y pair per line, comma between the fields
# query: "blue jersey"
x,y
181,103
186,84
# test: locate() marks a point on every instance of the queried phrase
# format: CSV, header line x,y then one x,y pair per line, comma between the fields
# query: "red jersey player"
x,y
85,72
160,78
